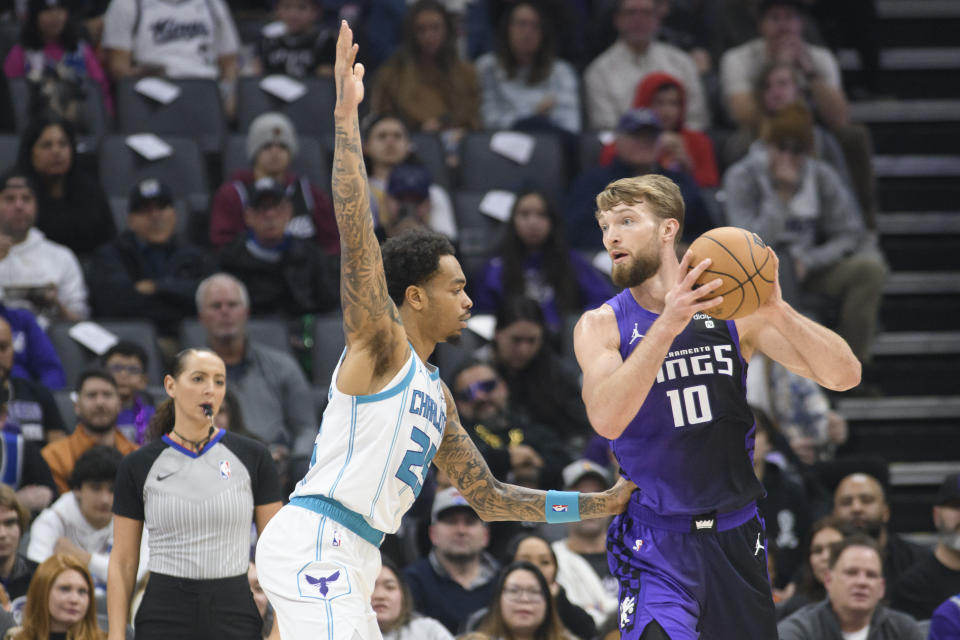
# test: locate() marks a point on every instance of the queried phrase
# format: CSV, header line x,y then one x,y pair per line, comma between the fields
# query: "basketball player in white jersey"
x,y
388,416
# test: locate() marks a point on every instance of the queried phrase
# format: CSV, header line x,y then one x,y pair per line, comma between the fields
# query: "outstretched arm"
x,y
798,343
494,500
374,336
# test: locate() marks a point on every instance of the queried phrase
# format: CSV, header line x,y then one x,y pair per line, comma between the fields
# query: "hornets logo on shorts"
x,y
323,581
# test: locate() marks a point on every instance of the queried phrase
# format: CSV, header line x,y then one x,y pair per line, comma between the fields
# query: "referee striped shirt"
x,y
197,508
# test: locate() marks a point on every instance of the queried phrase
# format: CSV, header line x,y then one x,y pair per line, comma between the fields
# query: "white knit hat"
x,y
271,127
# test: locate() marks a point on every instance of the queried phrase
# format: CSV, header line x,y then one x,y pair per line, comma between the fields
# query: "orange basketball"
x,y
744,264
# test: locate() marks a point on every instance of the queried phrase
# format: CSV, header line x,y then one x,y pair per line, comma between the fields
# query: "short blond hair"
x,y
659,192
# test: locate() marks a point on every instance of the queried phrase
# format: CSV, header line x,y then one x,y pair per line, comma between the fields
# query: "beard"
x,y
637,271
98,424
871,528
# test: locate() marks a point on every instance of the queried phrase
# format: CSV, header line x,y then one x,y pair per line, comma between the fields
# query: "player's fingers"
x,y
703,305
358,69
696,271
685,262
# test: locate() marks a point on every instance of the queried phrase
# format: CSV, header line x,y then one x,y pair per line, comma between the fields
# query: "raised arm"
x,y
376,342
798,343
494,500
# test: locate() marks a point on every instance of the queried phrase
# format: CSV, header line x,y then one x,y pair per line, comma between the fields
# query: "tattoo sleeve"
x,y
494,500
363,286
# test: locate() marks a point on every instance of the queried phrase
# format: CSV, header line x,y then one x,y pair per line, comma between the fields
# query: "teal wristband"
x,y
562,506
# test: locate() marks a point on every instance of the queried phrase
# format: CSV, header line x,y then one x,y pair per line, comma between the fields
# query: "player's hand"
x,y
35,497
621,493
683,300
347,74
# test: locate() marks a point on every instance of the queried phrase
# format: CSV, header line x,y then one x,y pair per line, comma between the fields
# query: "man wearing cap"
x,y
612,78
923,587
407,203
637,150
42,274
283,273
457,577
271,146
582,568
147,272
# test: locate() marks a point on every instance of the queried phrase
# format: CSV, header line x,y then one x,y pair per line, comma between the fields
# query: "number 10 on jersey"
x,y
690,405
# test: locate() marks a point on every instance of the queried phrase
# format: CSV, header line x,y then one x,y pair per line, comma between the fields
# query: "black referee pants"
x,y
197,610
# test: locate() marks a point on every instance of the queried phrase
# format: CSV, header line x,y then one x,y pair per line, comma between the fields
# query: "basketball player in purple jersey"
x,y
666,384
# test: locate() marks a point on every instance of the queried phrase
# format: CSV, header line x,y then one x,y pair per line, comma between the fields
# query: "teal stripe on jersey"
x,y
353,434
393,442
395,389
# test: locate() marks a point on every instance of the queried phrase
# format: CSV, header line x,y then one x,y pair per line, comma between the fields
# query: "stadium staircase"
x,y
915,425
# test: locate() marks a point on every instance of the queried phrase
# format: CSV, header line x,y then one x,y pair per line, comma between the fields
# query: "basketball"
x,y
743,262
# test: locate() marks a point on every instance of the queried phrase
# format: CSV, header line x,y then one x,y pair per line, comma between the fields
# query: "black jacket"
x,y
176,268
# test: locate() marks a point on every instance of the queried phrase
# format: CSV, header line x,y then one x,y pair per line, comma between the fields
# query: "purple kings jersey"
x,y
690,447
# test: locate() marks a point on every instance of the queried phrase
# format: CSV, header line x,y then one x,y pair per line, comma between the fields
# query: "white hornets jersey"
x,y
373,452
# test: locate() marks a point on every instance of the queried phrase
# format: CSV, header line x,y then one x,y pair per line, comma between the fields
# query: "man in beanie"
x,y
147,272
923,587
271,146
283,273
800,207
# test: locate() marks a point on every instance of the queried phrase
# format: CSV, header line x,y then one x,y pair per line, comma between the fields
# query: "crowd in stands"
x,y
740,102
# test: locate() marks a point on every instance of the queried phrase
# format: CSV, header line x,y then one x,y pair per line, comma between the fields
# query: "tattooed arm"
x,y
494,500
376,342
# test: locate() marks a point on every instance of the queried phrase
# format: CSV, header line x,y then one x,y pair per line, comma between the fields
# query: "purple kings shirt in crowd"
x,y
690,447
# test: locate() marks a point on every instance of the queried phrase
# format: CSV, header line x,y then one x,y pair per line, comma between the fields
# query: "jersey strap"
x,y
350,519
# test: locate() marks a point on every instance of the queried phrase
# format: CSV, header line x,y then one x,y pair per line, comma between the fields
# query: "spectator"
x,y
925,585
393,604
407,203
295,44
611,80
426,83
271,146
785,509
824,533
147,272
80,523
72,208
582,566
127,362
524,85
535,260
779,85
192,39
386,145
270,629
60,603
283,273
36,271
686,25
198,492
540,383
801,208
681,149
15,569
852,609
97,406
53,57
517,449
272,390
34,357
457,577
945,623
861,504
637,150
24,469
522,606
30,408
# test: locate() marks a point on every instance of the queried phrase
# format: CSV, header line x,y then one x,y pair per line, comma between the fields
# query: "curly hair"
x,y
411,258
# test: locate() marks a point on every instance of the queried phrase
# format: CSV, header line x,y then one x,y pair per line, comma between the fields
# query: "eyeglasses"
x,y
132,369
519,594
471,391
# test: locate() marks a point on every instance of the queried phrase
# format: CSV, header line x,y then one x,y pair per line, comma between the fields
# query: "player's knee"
x,y
653,631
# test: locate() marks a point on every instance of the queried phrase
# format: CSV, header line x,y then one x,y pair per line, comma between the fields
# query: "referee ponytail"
x,y
163,420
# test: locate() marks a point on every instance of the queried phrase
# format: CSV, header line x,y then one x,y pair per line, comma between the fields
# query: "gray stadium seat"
x,y
482,169
328,344
184,171
429,149
196,113
94,111
9,146
271,332
311,161
9,36
64,400
590,148
76,358
479,234
119,208
312,114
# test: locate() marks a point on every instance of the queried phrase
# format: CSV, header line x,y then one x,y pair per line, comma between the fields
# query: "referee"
x,y
196,489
